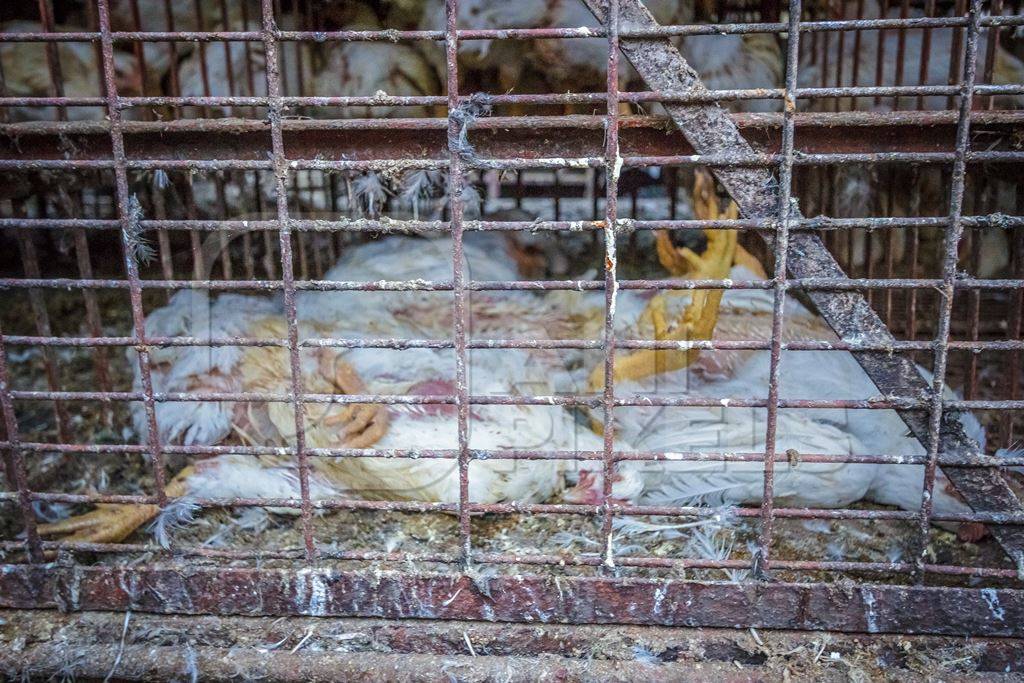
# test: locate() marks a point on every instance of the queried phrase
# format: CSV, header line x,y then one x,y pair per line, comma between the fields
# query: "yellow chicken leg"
x,y
364,423
701,314
113,522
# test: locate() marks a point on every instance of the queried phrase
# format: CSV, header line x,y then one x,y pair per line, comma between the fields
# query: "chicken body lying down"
x,y
353,314
724,375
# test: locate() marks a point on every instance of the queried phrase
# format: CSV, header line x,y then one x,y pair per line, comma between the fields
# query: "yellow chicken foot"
x,y
696,322
112,522
698,319
364,423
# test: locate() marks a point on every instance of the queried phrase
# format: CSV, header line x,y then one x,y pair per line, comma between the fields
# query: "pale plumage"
x,y
1007,70
368,69
26,74
735,62
361,69
576,64
856,187
184,16
239,69
398,314
746,314
415,371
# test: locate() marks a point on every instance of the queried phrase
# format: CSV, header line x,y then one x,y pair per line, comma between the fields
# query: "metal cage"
x,y
115,210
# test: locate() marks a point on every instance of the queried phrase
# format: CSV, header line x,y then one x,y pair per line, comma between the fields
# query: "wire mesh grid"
x,y
275,174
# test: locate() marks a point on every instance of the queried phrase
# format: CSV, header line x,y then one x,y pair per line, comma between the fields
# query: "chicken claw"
x,y
112,522
108,523
698,319
363,423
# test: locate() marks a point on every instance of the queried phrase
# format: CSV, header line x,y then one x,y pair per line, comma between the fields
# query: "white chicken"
x,y
239,69
737,62
399,314
857,188
188,15
725,375
1007,69
368,69
26,74
576,64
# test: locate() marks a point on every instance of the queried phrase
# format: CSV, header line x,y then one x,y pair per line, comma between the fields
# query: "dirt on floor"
x,y
137,646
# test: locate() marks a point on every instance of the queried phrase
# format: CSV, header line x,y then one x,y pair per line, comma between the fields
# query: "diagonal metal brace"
x,y
710,130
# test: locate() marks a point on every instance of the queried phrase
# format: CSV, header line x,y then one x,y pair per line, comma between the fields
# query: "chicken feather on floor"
x,y
353,314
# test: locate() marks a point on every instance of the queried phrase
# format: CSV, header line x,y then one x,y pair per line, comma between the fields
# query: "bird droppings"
x,y
992,599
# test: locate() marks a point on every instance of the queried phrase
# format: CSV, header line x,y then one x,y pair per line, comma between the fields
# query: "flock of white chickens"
x,y
417,67
357,68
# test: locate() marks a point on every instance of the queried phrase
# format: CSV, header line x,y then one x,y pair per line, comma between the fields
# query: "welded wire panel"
x,y
237,153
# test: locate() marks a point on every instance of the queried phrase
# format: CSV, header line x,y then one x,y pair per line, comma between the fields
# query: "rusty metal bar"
x,y
528,559
666,95
30,261
579,600
881,402
613,165
281,167
165,647
14,462
1012,345
129,246
810,284
511,454
762,558
531,508
750,160
391,35
525,559
710,130
456,184
941,124
817,223
949,275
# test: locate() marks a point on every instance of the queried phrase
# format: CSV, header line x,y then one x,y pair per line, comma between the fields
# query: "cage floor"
x,y
96,646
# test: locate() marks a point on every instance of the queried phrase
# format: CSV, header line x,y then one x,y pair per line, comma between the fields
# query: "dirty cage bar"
x,y
898,289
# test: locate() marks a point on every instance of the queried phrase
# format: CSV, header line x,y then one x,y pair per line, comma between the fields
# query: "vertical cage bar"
x,y
172,55
1015,315
52,58
880,51
613,163
140,56
901,50
30,262
762,557
858,37
456,183
955,67
949,275
973,246
275,111
837,103
991,43
14,461
926,51
72,206
94,321
127,236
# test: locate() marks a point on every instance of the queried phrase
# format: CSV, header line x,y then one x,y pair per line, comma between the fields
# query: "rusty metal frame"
x,y
711,131
712,138
865,608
